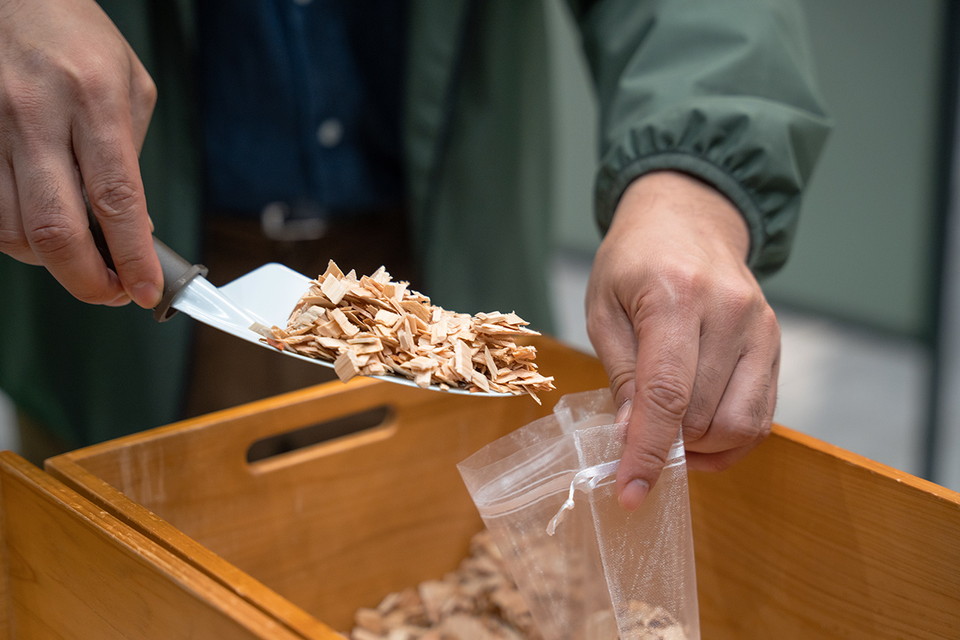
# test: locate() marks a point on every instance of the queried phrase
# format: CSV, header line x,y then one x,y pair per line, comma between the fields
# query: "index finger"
x,y
55,225
106,155
666,365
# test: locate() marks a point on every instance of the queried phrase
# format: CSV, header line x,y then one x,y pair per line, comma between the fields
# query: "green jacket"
x,y
723,90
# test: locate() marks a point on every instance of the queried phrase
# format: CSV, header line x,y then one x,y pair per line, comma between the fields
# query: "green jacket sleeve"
x,y
720,90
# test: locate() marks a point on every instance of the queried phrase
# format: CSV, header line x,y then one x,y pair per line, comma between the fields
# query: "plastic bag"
x,y
588,569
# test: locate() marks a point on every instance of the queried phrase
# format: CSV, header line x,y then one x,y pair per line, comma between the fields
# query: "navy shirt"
x,y
300,103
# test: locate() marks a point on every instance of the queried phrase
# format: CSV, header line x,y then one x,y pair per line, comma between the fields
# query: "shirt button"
x,y
330,132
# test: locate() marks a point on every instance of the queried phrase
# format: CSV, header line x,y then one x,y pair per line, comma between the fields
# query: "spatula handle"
x,y
177,272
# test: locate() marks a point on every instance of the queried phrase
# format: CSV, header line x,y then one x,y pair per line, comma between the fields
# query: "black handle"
x,y
177,272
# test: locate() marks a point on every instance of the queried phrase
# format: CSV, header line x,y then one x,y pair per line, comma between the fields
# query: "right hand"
x,y
75,103
683,329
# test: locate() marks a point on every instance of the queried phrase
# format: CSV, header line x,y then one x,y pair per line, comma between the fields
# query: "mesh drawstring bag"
x,y
588,569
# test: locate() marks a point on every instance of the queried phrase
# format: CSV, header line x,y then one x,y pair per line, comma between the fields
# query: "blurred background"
x,y
870,298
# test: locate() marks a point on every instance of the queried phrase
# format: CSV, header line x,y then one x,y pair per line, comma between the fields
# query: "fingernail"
x,y
633,494
146,294
624,412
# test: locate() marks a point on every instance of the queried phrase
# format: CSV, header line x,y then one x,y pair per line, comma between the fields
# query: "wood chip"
x,y
334,289
386,318
479,601
349,329
373,326
347,365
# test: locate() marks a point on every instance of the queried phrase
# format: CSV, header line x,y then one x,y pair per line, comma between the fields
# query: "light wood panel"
x,y
806,540
72,571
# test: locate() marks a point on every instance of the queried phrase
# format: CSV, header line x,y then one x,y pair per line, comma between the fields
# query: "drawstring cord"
x,y
585,480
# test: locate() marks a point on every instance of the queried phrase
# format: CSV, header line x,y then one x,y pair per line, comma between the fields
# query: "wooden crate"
x,y
800,540
70,570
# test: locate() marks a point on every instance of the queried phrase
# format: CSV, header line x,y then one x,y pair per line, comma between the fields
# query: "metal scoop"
x,y
266,296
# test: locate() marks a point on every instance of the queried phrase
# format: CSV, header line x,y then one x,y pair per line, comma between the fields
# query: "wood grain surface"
x,y
805,540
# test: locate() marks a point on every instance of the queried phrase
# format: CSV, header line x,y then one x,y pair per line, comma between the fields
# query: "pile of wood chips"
x,y
479,601
476,602
375,326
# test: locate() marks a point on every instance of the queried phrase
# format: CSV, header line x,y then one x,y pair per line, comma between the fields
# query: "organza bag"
x,y
588,569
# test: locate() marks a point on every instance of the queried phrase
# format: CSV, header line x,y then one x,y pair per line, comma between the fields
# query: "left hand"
x,y
682,329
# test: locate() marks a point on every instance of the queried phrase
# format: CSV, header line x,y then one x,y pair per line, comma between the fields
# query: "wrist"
x,y
677,198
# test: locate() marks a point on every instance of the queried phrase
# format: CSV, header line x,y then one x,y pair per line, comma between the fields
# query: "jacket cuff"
x,y
759,155
611,185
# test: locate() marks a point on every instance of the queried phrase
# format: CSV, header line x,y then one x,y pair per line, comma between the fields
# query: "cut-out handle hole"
x,y
310,435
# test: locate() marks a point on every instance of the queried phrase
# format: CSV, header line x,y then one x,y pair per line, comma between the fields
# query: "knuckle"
x,y
107,77
753,423
759,410
51,234
595,323
130,262
13,243
621,382
681,284
600,313
762,432
669,394
91,83
112,195
689,278
700,412
646,464
768,320
144,90
695,426
751,434
742,298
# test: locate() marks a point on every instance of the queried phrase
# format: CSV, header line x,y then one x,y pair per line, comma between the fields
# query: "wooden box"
x,y
799,540
70,570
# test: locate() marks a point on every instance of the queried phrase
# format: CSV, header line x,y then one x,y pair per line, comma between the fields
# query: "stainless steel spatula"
x,y
265,296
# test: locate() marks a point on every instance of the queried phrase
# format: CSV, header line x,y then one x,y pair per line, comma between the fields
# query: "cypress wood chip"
x,y
387,327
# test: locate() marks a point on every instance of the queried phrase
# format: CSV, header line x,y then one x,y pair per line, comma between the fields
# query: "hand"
x,y
75,103
682,328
